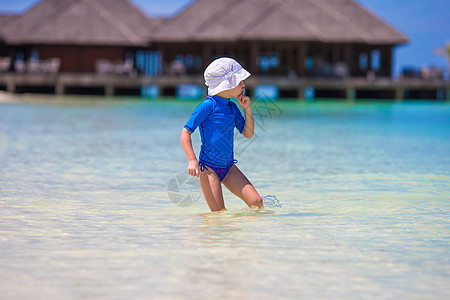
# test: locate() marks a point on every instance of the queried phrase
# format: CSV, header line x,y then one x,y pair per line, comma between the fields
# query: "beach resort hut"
x,y
316,38
82,35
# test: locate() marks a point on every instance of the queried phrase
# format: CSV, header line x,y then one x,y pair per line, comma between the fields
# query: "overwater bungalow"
x,y
315,38
80,33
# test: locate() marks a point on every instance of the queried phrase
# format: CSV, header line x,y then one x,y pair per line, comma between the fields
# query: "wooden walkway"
x,y
110,85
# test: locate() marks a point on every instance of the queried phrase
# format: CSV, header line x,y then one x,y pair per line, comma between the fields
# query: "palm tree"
x,y
447,55
445,52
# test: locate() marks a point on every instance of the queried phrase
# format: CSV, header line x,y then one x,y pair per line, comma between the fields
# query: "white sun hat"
x,y
224,74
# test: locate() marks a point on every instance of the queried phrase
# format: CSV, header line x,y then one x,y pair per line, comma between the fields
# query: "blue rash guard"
x,y
217,118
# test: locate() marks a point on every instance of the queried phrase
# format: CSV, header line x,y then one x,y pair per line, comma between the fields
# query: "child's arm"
x,y
186,142
249,126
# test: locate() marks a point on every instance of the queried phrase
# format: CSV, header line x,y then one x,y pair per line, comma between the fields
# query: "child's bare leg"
x,y
212,190
239,185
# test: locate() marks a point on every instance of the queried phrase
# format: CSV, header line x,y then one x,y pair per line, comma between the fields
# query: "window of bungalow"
x,y
268,60
34,55
198,62
190,61
375,59
179,58
129,56
363,61
20,56
274,60
140,60
309,63
149,62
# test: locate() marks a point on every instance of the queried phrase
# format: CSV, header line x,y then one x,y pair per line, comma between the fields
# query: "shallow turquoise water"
x,y
85,209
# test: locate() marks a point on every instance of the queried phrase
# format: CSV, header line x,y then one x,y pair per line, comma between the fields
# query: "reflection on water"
x,y
85,212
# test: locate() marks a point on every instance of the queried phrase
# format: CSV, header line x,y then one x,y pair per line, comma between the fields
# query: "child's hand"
x,y
244,101
193,168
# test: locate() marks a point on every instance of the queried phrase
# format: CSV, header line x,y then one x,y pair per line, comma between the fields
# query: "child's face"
x,y
238,90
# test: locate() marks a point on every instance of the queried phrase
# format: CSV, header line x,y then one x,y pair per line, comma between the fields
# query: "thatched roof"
x,y
93,22
279,20
4,20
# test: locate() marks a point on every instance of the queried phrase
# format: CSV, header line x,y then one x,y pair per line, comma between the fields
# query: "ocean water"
x,y
95,203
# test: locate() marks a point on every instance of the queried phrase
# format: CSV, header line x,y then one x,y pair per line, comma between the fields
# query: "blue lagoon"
x,y
87,212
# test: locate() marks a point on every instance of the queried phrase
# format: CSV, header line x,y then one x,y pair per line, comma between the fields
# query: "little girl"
x,y
217,117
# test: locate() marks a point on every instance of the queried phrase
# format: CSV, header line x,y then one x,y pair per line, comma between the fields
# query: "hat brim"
x,y
229,83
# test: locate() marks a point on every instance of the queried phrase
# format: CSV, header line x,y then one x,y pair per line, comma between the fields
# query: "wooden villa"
x,y
282,37
111,47
78,32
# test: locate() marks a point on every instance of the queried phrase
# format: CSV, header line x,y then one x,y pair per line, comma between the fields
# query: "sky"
x,y
425,22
